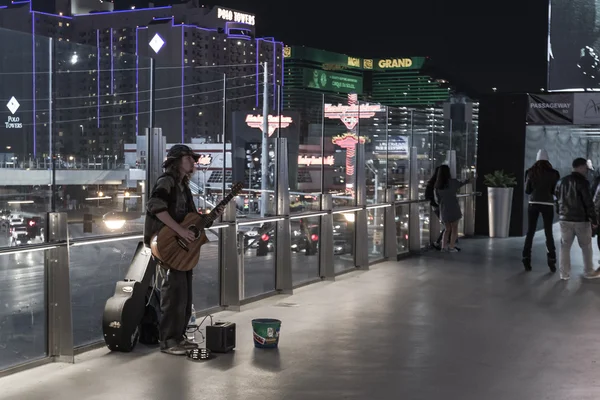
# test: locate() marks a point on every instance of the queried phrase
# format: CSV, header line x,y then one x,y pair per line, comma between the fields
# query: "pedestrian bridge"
x,y
470,325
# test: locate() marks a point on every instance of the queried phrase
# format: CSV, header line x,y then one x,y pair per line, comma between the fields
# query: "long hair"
x,y
443,177
433,178
538,169
173,170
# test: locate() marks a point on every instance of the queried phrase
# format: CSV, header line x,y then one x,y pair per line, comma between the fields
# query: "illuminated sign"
x,y
256,121
354,62
395,63
392,147
236,16
348,142
12,121
287,52
333,67
351,114
331,81
368,64
308,161
157,43
205,160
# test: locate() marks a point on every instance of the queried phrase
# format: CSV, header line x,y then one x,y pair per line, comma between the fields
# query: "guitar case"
x,y
124,311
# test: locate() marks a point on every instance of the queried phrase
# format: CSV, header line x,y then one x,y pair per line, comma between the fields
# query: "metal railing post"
x,y
232,274
283,266
469,217
389,235
361,237
58,291
414,226
326,267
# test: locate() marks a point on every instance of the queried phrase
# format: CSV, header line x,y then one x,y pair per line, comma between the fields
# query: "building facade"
x,y
93,87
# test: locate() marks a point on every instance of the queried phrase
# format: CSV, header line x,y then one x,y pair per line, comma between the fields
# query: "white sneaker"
x,y
592,275
565,277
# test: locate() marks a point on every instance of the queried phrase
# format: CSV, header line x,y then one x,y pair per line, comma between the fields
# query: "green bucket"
x,y
266,333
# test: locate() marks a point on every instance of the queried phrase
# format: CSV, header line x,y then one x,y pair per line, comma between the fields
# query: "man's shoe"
x,y
177,350
592,275
188,344
552,264
527,263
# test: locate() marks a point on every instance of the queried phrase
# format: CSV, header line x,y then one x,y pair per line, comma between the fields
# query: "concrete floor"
x,y
461,326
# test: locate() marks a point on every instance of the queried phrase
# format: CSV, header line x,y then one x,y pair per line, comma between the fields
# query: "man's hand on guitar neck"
x,y
184,233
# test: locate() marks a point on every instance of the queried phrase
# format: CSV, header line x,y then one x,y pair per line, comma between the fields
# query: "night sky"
x,y
476,44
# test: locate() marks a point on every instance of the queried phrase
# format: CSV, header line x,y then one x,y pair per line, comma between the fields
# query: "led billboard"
x,y
332,82
574,45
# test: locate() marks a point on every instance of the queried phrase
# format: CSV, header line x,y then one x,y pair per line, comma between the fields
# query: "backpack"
x,y
149,326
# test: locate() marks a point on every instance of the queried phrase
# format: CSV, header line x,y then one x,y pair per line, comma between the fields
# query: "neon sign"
x,y
308,161
348,142
351,114
205,160
256,121
235,16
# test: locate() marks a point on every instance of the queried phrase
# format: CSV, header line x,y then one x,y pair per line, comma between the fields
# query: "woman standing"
x,y
540,182
446,189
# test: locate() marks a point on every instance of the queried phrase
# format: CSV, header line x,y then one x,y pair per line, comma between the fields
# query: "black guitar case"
x,y
124,311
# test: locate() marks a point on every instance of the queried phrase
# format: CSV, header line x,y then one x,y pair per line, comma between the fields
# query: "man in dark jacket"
x,y
170,201
577,218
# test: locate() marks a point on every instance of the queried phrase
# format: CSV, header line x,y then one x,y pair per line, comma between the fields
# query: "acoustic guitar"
x,y
174,252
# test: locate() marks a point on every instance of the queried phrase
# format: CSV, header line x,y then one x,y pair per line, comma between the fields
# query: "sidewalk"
x,y
465,326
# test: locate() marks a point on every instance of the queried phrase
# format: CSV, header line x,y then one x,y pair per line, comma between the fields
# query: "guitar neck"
x,y
210,218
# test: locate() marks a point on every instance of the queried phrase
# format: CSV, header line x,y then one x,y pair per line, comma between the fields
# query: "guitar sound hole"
x,y
195,231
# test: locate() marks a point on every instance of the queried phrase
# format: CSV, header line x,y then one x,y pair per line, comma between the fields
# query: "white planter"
x,y
499,210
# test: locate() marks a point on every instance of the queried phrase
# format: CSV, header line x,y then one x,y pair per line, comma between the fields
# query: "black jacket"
x,y
541,188
574,200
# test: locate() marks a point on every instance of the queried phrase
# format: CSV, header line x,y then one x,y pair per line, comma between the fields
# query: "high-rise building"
x,y
101,76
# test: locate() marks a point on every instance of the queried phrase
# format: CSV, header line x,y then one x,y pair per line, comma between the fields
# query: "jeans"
x,y
534,212
175,306
583,232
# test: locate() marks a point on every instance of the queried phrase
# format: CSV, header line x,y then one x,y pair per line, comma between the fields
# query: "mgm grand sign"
x,y
395,63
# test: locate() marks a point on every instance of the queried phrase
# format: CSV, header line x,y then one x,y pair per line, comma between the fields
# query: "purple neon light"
x,y
137,86
112,64
182,84
34,89
122,11
52,15
98,46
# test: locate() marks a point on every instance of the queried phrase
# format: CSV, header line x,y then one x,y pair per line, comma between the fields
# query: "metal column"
x,y
389,236
58,291
361,230
452,163
414,225
283,266
326,267
154,157
469,217
232,273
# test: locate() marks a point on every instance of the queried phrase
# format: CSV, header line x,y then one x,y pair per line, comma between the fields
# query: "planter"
x,y
499,209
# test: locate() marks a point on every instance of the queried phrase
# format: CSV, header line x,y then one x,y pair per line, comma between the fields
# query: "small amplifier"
x,y
220,337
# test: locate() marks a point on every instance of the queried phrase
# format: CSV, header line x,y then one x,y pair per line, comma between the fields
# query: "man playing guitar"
x,y
170,201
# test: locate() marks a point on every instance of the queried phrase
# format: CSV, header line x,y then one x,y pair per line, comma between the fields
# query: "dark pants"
x,y
547,212
175,306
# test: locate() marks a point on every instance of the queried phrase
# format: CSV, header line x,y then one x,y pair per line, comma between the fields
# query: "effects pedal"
x,y
220,337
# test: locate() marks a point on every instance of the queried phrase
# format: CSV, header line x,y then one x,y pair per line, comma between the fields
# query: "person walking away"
x,y
430,195
540,183
446,191
577,216
170,201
